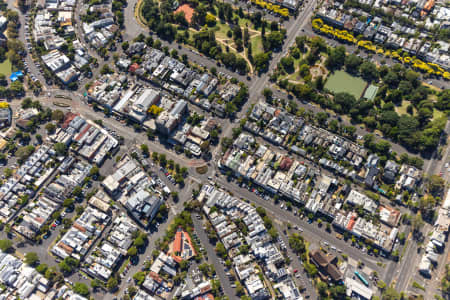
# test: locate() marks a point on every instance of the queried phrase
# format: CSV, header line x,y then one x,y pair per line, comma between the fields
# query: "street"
x,y
213,259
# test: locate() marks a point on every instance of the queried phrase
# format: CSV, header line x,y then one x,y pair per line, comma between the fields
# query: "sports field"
x,y
341,81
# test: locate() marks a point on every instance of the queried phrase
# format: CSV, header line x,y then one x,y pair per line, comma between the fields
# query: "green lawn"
x,y
342,81
5,67
256,41
401,110
221,30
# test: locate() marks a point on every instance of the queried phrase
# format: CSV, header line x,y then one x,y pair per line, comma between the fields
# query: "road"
x,y
152,239
261,81
437,164
311,232
294,27
214,259
22,29
439,83
301,277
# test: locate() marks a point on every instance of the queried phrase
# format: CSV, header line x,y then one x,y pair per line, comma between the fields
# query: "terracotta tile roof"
x,y
79,227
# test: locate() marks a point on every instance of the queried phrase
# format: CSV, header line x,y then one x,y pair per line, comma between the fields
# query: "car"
x,y
53,226
295,271
46,236
57,222
446,165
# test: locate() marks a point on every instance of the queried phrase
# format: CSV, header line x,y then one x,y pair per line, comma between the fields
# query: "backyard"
x,y
341,81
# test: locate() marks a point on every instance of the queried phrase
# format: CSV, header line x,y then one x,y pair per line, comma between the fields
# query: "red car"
x,y
295,271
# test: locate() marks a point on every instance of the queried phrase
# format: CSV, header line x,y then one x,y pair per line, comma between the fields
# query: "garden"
x,y
398,104
240,40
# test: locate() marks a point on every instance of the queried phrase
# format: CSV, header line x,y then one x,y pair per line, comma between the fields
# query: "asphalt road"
x,y
294,27
214,259
24,27
295,264
437,82
311,232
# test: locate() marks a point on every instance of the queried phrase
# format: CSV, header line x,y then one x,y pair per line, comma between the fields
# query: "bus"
x,y
361,278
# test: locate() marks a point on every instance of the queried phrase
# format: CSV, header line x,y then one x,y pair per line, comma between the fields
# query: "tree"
x,y
390,294
139,242
336,58
68,265
274,40
352,63
184,265
144,149
368,71
81,289
344,102
24,152
31,258
6,245
42,268
389,117
57,115
26,103
319,83
321,117
297,244
287,63
39,138
68,202
273,233
310,269
417,222
96,283
304,70
139,277
16,88
435,184
112,283
261,61
132,251
77,191
221,251
106,70
60,149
